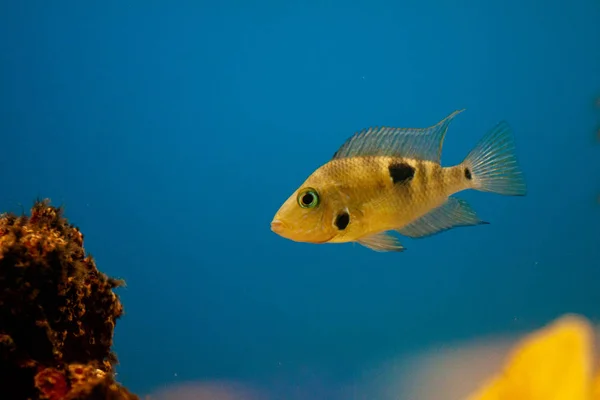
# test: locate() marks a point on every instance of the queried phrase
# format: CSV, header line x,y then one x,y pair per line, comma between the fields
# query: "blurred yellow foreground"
x,y
555,363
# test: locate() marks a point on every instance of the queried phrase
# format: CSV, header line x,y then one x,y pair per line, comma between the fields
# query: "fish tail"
x,y
492,164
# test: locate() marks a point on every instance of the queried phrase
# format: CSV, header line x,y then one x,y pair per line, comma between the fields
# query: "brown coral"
x,y
57,312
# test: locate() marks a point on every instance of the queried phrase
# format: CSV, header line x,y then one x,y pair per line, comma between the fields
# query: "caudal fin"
x,y
493,165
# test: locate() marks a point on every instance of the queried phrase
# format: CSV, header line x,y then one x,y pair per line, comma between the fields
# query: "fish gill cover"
x,y
57,312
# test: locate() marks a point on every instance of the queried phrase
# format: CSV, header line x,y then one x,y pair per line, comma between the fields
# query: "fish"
x,y
385,181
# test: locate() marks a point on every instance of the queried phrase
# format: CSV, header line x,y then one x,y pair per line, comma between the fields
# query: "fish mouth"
x,y
277,226
280,228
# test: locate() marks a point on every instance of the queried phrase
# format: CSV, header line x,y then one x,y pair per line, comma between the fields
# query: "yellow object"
x,y
596,388
554,363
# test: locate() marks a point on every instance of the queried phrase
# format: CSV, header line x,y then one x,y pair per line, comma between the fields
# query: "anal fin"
x,y
381,242
453,213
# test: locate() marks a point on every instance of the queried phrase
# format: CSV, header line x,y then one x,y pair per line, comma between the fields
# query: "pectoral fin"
x,y
453,213
381,241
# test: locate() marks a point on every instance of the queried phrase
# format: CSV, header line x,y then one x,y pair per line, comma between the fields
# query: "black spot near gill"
x,y
468,174
401,172
342,220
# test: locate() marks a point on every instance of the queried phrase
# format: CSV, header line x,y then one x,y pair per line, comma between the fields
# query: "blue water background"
x,y
173,131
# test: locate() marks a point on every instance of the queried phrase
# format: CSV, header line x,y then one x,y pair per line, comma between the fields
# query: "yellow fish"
x,y
387,179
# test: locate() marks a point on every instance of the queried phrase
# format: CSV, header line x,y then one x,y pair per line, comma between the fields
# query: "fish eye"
x,y
308,198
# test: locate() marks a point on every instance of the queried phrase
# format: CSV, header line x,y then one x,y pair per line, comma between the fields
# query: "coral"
x,y
57,312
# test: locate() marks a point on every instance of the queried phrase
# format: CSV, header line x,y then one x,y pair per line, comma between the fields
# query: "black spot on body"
x,y
342,220
468,174
401,172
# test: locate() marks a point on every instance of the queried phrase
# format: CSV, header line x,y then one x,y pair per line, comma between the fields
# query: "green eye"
x,y
308,198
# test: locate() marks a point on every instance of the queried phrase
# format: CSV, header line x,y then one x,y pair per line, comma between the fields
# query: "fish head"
x,y
308,215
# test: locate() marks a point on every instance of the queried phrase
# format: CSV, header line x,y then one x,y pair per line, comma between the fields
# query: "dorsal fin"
x,y
417,143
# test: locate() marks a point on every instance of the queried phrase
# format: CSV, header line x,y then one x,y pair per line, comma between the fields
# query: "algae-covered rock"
x,y
57,312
